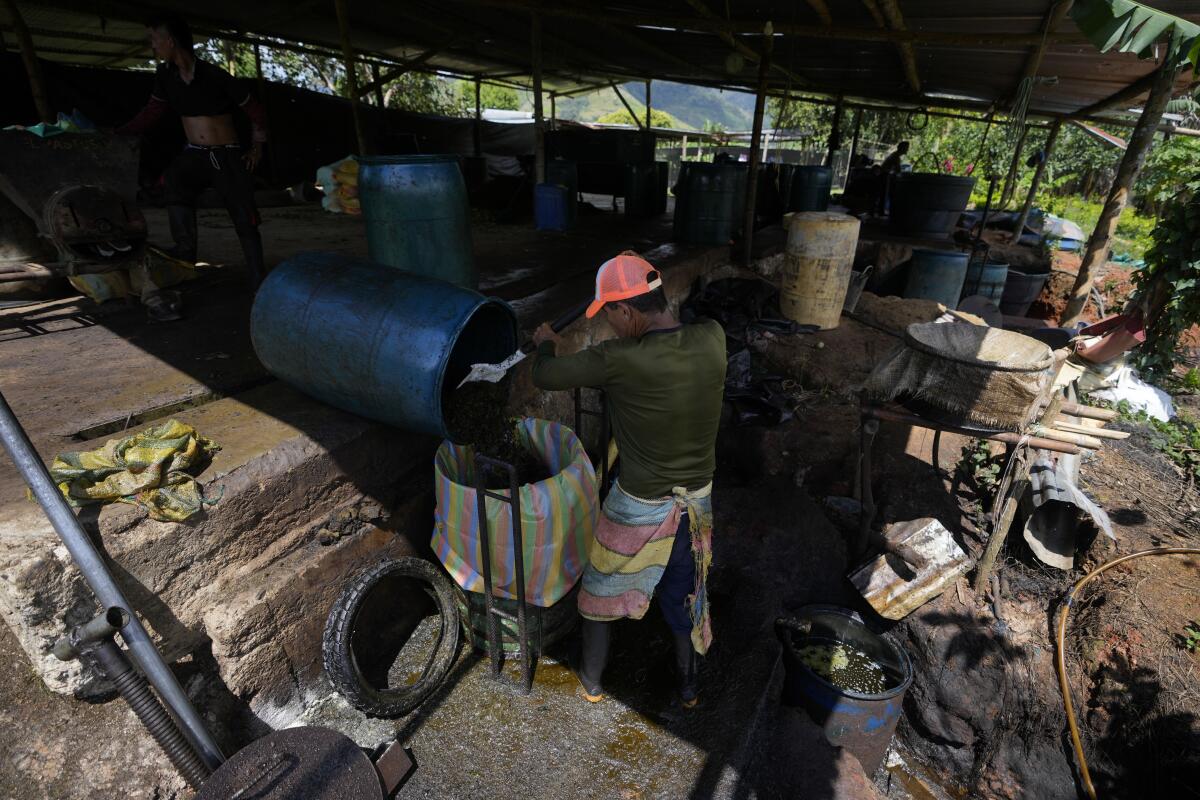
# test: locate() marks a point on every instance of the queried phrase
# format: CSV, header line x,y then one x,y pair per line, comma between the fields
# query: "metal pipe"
x,y
96,573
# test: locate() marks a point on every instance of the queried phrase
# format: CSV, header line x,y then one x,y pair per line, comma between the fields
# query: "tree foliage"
x,y
1168,287
658,118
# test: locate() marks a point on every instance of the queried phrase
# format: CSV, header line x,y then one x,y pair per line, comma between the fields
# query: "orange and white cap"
x,y
622,277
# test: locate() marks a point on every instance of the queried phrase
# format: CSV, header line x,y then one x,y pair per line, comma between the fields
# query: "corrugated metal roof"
x,y
967,54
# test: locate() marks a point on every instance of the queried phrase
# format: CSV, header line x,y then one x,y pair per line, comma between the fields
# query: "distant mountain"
x,y
694,106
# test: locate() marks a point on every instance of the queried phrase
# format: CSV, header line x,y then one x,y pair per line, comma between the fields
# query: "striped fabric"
x,y
558,516
630,552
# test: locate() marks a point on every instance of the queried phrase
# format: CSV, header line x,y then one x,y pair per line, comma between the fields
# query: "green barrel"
x,y
709,209
417,217
808,188
641,183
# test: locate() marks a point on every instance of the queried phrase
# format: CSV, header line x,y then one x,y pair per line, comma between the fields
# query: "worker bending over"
x,y
204,96
664,385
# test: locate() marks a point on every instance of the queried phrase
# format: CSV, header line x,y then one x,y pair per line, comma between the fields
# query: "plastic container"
x,y
1020,291
986,280
937,275
551,207
928,203
817,266
375,341
861,723
566,174
707,210
417,215
808,188
641,184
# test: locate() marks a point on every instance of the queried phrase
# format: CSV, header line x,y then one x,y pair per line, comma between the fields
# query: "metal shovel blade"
x,y
492,373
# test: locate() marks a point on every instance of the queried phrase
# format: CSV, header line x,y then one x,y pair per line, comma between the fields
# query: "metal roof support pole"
x,y
377,85
553,109
648,123
1096,252
477,130
858,115
760,104
624,102
1010,180
539,124
1047,151
342,7
33,67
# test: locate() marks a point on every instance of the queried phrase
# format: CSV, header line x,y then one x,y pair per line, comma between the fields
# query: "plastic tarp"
x,y
558,517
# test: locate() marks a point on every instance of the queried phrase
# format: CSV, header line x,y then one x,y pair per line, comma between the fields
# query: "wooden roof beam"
x,y
749,53
822,11
400,69
1054,17
891,12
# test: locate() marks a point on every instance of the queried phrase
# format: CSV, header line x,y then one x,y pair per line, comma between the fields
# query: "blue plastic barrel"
x,y
379,342
986,280
937,275
551,210
417,215
565,173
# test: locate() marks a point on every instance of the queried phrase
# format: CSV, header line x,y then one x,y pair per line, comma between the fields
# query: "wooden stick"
x,y
1008,437
1090,412
1000,531
1082,440
342,9
1100,433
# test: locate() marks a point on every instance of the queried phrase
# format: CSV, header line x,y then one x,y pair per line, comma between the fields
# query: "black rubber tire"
x,y
341,664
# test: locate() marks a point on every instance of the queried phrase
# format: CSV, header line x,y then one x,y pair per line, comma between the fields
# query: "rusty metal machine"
x,y
68,205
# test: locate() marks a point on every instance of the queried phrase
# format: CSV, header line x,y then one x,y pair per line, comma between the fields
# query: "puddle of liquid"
x,y
911,783
845,667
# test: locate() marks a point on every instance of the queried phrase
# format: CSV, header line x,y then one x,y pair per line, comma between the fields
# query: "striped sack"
x,y
558,516
630,552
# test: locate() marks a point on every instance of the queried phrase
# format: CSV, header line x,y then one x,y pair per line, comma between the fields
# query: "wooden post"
x,y
478,132
539,125
342,7
858,115
553,109
230,59
377,85
33,67
835,131
760,104
648,123
1096,252
1047,150
1010,181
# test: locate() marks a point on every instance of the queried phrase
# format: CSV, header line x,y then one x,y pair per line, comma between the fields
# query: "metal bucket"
x,y
928,203
861,723
986,280
417,216
379,342
937,275
817,266
1020,291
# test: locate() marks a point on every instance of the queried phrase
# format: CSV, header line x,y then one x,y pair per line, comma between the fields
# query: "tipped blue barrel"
x,y
808,188
986,280
417,215
375,341
937,275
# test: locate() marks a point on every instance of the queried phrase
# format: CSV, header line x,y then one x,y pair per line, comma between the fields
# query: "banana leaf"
x,y
1130,27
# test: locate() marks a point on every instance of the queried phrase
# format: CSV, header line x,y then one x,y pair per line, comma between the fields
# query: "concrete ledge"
x,y
287,464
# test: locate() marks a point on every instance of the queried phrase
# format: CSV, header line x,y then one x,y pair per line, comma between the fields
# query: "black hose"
x,y
110,660
136,691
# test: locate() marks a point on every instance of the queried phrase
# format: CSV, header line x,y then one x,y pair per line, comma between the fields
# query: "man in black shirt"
x,y
204,96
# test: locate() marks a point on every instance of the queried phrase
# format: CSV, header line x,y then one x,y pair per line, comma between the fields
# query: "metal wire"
x,y
1061,663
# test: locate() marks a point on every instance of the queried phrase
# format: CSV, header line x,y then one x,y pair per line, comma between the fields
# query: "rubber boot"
x,y
594,657
182,220
253,251
685,668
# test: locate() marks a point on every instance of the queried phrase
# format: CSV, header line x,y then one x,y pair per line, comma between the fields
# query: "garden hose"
x,y
1060,663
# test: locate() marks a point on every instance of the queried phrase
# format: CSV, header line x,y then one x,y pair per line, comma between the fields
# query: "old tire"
x,y
361,616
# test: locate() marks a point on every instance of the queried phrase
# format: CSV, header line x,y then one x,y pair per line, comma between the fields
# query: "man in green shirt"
x,y
664,384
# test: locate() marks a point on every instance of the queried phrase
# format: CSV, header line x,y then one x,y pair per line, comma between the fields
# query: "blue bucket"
x,y
937,275
986,280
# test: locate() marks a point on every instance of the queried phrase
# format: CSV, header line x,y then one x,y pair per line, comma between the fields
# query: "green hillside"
x,y
692,106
